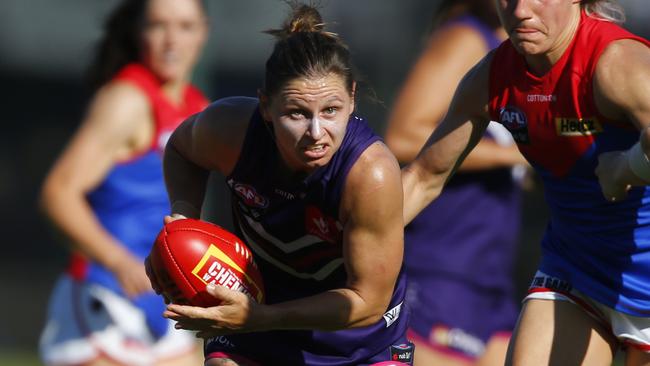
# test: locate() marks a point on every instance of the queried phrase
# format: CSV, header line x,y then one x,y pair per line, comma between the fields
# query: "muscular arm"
x,y
372,251
458,133
427,93
116,127
621,89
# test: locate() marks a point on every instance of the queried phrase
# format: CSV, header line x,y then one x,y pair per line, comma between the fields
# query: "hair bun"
x,y
303,19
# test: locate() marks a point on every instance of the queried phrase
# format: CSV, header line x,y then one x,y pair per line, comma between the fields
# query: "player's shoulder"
x,y
119,106
231,110
621,54
124,94
376,168
228,115
624,62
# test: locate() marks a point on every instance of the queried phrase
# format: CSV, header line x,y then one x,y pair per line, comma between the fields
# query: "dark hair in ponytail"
x,y
120,44
304,48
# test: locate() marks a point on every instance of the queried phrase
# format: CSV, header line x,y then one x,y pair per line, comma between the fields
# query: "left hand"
x,y
237,314
611,172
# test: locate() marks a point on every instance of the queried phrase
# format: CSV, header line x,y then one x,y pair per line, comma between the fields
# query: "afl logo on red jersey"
x,y
516,122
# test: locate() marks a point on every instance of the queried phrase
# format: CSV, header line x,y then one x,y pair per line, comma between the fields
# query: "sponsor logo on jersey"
x,y
515,121
222,341
322,226
392,315
215,267
249,195
402,353
284,194
541,98
566,126
457,339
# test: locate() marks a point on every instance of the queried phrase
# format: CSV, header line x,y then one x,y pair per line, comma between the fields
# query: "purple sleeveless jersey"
x,y
291,224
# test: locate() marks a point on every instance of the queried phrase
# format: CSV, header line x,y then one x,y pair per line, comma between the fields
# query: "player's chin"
x,y
529,48
312,164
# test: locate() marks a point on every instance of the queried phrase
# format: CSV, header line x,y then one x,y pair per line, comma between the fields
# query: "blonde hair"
x,y
609,10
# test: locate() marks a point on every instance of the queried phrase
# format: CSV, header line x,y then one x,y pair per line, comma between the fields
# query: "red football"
x,y
189,254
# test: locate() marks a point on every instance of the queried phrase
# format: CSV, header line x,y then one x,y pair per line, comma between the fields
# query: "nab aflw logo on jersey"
x,y
515,121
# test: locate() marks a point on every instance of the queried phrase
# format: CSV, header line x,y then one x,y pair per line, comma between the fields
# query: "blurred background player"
x,y
572,87
316,196
459,250
106,192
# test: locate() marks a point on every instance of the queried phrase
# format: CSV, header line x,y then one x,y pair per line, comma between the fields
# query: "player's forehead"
x,y
312,88
185,10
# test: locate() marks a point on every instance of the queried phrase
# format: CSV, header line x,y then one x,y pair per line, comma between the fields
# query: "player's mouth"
x,y
525,33
316,151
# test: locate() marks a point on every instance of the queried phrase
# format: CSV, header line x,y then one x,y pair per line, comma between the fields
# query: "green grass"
x,y
19,358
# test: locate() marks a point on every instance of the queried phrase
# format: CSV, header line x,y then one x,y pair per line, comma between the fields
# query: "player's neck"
x,y
174,91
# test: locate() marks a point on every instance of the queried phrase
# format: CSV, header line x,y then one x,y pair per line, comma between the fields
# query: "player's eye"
x,y
330,110
297,114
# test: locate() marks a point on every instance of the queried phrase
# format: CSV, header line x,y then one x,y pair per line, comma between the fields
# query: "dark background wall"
x,y
44,47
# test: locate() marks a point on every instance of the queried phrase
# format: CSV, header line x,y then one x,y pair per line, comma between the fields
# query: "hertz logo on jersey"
x,y
565,126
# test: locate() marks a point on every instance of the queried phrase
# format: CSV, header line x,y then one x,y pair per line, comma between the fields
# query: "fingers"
x,y
219,292
178,312
167,219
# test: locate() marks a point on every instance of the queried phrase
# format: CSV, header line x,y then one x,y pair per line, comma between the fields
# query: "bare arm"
x,y
373,249
426,95
458,133
621,89
210,140
117,125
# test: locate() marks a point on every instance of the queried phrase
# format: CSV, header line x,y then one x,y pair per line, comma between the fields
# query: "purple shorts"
x,y
456,317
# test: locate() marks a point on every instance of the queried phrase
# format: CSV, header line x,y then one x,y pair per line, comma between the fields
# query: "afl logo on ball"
x,y
515,121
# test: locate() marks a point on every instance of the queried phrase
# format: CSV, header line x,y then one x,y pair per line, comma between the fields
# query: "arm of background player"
x,y
458,133
116,117
210,140
426,95
622,90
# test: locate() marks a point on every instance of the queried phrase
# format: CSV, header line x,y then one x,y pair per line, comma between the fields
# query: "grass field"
x,y
18,358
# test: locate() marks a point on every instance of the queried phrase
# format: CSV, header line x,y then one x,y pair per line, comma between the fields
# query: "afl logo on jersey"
x,y
249,195
515,121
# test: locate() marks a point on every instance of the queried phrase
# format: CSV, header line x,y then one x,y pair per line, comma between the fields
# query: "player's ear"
x,y
264,105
